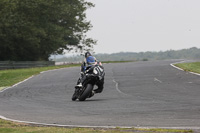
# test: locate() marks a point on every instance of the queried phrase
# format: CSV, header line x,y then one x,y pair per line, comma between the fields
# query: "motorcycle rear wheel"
x,y
86,93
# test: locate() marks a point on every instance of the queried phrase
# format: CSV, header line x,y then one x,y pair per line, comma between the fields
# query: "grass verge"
x,y
191,67
13,127
13,76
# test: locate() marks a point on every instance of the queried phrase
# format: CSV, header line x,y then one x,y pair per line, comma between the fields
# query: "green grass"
x,y
13,76
191,67
13,127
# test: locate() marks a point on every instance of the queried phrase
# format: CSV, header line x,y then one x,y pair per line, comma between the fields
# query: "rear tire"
x,y
86,93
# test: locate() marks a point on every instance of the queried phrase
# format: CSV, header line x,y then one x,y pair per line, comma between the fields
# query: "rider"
x,y
89,61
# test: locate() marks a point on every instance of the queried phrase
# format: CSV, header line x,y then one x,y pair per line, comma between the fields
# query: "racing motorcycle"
x,y
94,75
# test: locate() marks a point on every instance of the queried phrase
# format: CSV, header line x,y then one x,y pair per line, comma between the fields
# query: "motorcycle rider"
x,y
89,61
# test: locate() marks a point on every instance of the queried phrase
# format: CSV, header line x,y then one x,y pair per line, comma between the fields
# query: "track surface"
x,y
152,94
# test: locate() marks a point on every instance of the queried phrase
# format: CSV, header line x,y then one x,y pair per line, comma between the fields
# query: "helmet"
x,y
87,54
90,60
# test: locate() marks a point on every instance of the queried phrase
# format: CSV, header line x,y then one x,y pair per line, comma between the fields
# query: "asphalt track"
x,y
136,94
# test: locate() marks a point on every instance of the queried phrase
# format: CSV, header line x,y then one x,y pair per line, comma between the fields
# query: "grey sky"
x,y
144,25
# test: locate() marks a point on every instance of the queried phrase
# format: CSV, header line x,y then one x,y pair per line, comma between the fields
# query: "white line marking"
x,y
182,69
117,88
172,64
155,79
87,126
16,84
176,66
195,73
28,79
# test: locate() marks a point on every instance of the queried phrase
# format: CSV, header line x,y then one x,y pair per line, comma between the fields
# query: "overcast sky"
x,y
144,25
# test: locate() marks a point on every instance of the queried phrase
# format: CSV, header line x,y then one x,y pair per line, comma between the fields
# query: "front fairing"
x,y
94,74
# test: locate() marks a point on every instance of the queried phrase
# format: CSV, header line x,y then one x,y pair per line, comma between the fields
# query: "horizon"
x,y
137,52
189,53
75,54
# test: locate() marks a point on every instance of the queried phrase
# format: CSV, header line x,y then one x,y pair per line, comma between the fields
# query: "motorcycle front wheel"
x,y
74,97
86,93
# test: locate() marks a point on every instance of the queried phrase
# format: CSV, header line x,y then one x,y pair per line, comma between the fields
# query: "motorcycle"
x,y
94,75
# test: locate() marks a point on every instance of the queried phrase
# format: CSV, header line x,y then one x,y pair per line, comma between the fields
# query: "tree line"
x,y
32,30
191,53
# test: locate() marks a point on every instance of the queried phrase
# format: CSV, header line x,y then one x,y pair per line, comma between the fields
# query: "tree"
x,y
35,29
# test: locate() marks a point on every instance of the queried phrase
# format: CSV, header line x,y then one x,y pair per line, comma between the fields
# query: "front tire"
x,y
74,97
86,93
